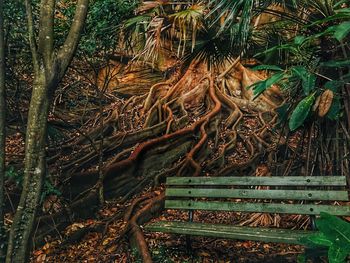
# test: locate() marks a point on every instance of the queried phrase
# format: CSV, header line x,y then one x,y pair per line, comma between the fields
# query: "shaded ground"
x,y
103,246
189,125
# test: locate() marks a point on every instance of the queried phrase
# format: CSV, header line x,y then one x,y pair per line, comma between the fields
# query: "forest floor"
x,y
101,237
104,246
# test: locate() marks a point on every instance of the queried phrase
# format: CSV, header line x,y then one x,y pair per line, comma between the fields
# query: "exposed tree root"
x,y
191,126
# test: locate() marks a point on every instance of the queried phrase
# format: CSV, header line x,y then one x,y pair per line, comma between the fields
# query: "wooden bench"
x,y
220,194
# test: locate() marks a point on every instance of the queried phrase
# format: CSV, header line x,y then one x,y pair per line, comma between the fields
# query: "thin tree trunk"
x,y
2,132
34,173
49,68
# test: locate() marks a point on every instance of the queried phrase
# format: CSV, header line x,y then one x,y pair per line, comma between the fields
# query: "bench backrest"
x,y
220,194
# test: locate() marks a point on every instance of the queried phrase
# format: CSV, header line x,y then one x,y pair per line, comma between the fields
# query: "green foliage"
x,y
102,24
161,255
301,112
239,15
267,67
341,31
100,32
261,86
136,256
308,79
17,177
49,189
14,175
334,233
194,35
309,69
16,32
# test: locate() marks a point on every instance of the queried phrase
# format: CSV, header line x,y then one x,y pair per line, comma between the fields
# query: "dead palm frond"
x,y
187,22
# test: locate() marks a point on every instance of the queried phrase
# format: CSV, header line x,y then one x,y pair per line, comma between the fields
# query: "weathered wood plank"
x,y
259,194
268,181
305,209
230,232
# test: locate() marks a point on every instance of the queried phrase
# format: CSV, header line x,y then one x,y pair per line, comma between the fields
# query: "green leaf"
x,y
307,242
298,40
261,86
336,63
267,67
320,239
301,258
308,79
336,254
301,112
334,85
342,30
336,230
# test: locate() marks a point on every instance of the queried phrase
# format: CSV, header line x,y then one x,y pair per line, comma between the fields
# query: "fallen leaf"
x,y
325,102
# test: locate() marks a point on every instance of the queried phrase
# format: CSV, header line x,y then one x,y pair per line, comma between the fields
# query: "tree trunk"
x,y
49,68
2,132
34,173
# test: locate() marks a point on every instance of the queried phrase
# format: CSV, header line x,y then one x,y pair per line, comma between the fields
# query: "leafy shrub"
x,y
100,31
102,23
311,77
334,233
14,175
17,177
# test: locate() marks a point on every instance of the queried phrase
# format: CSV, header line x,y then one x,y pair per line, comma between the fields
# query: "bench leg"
x,y
188,244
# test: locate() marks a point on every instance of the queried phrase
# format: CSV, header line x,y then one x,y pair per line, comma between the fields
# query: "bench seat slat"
x,y
263,181
259,194
230,232
306,209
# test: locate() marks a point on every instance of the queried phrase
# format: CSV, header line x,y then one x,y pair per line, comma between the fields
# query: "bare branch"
x,y
65,54
46,35
31,33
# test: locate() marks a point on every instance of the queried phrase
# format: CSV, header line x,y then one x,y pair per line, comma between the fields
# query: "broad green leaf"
x,y
334,85
336,254
336,63
261,86
320,239
299,71
309,83
308,79
267,67
301,112
336,230
317,240
342,30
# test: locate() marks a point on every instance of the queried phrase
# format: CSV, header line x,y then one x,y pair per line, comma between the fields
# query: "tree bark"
x,y
49,69
34,173
2,132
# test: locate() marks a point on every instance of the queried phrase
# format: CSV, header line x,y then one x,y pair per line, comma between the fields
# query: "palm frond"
x,y
211,48
188,21
153,43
